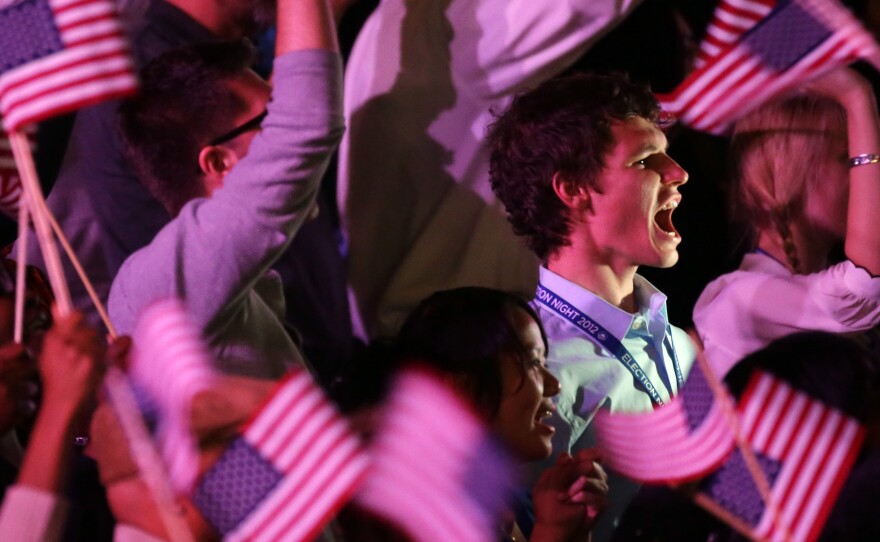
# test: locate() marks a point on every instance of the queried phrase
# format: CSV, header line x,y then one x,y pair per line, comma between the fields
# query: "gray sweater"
x,y
215,255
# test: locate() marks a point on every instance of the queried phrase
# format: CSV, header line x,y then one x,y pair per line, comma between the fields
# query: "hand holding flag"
x,y
294,465
756,50
172,365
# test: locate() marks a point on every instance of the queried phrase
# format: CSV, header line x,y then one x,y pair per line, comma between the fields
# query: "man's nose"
x,y
674,173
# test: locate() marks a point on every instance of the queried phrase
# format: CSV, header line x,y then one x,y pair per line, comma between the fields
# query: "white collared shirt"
x,y
744,311
591,377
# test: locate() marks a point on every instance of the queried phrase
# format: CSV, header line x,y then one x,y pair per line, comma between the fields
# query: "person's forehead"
x,y
635,135
529,329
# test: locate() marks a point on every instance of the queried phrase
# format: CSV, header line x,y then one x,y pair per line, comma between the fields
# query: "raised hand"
x,y
569,497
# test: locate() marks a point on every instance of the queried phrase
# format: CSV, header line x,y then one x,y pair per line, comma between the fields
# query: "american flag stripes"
x,y
796,41
436,472
806,450
59,55
172,365
689,437
293,466
732,19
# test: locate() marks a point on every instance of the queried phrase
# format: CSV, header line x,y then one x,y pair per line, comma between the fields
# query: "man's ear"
x,y
573,195
215,161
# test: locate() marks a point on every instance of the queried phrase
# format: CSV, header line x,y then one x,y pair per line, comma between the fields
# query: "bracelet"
x,y
864,159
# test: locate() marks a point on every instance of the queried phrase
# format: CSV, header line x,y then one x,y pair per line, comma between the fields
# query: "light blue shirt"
x,y
590,377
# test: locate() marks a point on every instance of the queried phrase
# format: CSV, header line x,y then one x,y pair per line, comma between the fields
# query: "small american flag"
x,y
436,472
59,55
10,182
732,19
689,437
294,465
806,451
758,58
171,364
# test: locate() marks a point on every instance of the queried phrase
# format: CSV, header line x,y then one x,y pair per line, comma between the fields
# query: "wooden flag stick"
x,y
724,400
145,456
34,198
21,269
115,384
65,244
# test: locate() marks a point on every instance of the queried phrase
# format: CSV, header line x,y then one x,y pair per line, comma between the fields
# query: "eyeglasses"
x,y
252,124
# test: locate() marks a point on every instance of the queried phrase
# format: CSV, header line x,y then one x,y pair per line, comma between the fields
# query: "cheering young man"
x,y
581,167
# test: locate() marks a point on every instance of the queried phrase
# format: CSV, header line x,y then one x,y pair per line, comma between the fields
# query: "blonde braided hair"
x,y
773,167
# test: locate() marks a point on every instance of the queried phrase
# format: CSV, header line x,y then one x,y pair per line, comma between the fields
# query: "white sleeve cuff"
x,y
128,533
31,515
859,281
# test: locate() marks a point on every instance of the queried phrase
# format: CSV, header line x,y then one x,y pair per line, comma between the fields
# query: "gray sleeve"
x,y
217,247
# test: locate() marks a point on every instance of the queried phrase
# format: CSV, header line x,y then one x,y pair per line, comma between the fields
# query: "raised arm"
x,y
305,24
217,248
863,131
568,497
71,367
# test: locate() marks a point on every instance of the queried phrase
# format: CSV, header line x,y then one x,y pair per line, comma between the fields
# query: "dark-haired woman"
x,y
493,347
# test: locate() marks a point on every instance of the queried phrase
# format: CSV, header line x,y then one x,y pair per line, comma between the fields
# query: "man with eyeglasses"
x,y
239,173
101,206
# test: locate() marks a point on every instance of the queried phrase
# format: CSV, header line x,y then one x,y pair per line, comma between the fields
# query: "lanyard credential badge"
x,y
601,336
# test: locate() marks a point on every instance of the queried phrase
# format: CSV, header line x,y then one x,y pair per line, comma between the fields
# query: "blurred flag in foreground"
x,y
294,465
59,55
758,49
732,19
171,364
436,471
689,437
806,451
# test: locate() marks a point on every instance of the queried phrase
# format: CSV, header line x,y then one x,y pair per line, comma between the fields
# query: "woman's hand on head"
x,y
855,94
569,497
844,85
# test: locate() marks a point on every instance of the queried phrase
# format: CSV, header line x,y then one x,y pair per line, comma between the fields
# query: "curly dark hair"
x,y
185,99
562,127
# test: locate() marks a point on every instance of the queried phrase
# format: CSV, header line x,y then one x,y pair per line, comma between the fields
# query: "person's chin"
x,y
664,257
669,259
542,449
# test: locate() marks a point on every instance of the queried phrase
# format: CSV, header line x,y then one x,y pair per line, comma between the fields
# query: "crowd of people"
x,y
489,213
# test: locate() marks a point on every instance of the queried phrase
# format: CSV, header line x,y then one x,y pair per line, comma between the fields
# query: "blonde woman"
x,y
806,177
